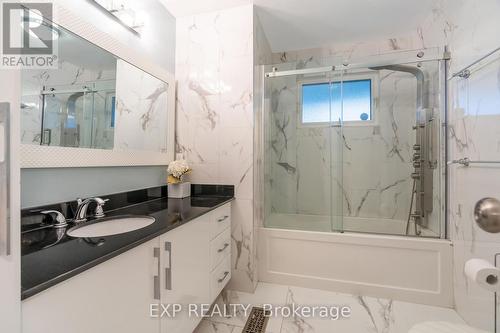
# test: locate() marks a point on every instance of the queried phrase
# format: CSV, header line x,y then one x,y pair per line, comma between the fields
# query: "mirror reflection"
x,y
93,100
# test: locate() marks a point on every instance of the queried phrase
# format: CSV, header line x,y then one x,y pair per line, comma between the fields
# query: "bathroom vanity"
x,y
119,283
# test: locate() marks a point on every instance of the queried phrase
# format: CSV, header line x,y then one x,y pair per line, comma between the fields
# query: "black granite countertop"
x,y
49,256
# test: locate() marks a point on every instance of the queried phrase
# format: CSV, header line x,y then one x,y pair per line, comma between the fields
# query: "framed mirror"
x,y
103,105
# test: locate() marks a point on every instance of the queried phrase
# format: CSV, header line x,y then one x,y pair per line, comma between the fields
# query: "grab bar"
x,y
5,241
467,162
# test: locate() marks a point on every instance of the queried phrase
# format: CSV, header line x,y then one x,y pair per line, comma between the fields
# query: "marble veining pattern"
x,y
215,57
141,117
368,314
474,132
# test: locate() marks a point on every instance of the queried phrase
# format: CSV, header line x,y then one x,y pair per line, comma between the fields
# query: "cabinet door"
x,y
185,269
114,296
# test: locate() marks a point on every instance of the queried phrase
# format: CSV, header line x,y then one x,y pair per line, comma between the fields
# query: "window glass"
x,y
357,101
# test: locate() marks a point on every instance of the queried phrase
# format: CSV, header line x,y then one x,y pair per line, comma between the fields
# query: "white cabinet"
x,y
196,265
185,269
112,297
187,265
220,249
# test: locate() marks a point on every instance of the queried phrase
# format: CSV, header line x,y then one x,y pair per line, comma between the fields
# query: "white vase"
x,y
179,190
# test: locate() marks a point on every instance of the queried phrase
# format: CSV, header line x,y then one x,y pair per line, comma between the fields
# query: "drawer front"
x,y
220,277
220,247
221,220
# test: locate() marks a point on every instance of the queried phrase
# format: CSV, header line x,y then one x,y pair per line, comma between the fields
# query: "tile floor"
x,y
368,314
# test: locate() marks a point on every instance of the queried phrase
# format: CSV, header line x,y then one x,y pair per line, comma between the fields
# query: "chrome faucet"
x,y
83,205
60,219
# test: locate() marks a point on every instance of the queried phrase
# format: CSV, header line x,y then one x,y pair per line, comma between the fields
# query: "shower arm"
x,y
422,88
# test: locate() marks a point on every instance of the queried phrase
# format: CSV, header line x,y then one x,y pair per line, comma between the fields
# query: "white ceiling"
x,y
301,24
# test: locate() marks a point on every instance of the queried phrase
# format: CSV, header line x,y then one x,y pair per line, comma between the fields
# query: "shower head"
x,y
417,72
422,87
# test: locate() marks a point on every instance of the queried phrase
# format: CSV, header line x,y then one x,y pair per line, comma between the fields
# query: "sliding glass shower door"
x,y
354,148
302,155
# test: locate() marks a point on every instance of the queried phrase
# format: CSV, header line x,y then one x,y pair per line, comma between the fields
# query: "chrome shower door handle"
x,y
5,241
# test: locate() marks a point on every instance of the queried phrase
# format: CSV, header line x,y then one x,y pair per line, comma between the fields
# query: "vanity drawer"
x,y
221,220
220,277
220,247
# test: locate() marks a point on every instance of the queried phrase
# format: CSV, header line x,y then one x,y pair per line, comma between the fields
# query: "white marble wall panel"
x,y
474,132
215,57
141,110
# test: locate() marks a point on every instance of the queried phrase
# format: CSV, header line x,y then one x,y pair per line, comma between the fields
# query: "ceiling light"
x,y
122,13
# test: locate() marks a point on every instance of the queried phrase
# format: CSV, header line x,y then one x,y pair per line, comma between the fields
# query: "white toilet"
x,y
443,327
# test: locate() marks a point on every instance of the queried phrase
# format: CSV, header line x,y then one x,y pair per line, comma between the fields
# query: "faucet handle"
x,y
60,219
99,211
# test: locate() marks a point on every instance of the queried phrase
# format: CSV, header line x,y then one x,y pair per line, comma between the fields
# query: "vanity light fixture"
x,y
121,13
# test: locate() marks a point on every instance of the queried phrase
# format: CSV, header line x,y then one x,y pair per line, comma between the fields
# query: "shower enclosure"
x,y
79,115
355,147
70,115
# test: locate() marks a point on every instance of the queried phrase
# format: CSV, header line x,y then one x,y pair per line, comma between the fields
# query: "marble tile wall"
x,y
215,57
474,132
141,110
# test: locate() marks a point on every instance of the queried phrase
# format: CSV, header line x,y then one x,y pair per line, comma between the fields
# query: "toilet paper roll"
x,y
483,273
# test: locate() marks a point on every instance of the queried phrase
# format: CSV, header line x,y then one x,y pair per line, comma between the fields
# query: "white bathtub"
x,y
346,223
411,269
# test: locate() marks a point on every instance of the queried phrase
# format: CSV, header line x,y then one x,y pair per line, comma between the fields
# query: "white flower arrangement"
x,y
176,170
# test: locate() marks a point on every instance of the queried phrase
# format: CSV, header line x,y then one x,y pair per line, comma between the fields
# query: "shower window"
x,y
351,100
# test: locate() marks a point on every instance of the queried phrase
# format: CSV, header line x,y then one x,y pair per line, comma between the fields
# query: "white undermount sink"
x,y
111,226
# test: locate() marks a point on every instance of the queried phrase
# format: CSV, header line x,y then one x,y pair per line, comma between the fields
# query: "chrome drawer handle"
x,y
223,248
223,218
226,273
168,270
